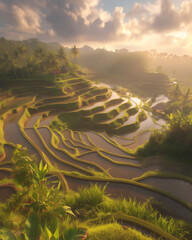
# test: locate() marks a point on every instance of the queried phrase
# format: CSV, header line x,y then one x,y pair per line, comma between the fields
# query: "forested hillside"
x,y
128,69
25,60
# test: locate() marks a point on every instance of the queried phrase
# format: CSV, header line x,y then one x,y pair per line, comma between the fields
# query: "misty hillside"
x,y
127,69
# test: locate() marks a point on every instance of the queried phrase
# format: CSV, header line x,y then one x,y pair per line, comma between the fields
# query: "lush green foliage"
x,y
21,60
142,211
114,231
40,210
175,138
40,203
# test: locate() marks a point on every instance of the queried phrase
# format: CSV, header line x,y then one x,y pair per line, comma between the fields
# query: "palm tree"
x,y
8,62
63,57
52,61
21,52
74,51
40,54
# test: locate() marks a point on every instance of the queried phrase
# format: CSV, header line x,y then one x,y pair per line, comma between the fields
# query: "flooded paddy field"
x,y
90,153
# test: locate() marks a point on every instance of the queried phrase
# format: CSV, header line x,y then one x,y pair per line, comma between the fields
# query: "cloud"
x,y
167,19
72,21
20,19
171,18
82,20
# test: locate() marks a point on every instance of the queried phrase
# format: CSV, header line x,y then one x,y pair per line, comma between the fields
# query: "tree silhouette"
x,y
63,57
74,51
52,61
41,54
8,62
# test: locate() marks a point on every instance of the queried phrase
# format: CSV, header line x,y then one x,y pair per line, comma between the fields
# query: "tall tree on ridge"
x,y
22,50
8,62
63,57
74,51
41,54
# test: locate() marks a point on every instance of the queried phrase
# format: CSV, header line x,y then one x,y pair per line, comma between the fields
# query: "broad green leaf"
x,y
68,210
56,234
32,227
45,168
46,234
41,165
59,186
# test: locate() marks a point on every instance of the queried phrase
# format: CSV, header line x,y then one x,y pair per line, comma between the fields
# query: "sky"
x,y
164,25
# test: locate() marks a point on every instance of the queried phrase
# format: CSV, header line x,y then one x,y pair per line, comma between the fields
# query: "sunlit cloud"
x,y
85,21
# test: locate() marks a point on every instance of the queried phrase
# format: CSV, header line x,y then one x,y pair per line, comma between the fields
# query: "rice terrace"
x,y
82,159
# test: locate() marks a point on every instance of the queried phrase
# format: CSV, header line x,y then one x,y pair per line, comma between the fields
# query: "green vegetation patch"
x,y
94,110
94,91
115,231
128,128
69,120
142,116
174,140
81,85
111,114
132,111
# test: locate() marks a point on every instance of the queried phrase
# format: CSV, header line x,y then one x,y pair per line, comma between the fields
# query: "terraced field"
x,y
88,134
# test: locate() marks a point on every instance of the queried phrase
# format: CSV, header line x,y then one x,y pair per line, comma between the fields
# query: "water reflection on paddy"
x,y
45,121
8,152
122,141
32,120
140,139
148,124
140,194
178,188
121,159
115,170
160,99
103,144
101,103
13,134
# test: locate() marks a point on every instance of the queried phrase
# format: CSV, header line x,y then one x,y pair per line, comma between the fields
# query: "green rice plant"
x,y
70,199
73,233
143,211
91,197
